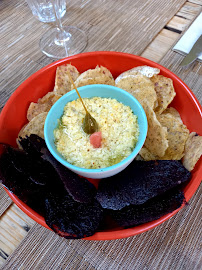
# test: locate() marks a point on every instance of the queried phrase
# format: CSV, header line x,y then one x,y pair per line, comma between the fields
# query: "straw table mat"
x,y
5,200
117,25
172,245
175,244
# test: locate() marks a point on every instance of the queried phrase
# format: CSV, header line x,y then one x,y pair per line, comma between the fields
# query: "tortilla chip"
x,y
62,82
164,90
141,88
146,155
35,126
174,112
193,151
98,75
97,80
156,141
96,72
177,135
144,70
44,104
138,157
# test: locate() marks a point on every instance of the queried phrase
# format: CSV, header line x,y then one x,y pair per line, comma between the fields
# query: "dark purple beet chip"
x,y
33,145
79,188
139,182
153,209
26,190
9,177
71,219
29,179
36,169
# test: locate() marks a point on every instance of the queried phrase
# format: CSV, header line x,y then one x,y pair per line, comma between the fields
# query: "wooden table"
x,y
14,224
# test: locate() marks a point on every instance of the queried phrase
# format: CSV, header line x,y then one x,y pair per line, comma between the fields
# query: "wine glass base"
x,y
59,45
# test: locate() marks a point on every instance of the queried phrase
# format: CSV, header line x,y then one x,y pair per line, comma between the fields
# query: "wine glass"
x,y
62,41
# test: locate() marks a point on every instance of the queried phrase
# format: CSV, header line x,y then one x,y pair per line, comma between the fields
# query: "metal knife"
x,y
194,53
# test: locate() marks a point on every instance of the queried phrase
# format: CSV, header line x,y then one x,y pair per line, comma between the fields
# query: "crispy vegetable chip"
x,y
35,126
71,219
153,209
164,90
33,145
69,208
141,88
94,73
27,177
156,141
146,155
80,189
98,80
62,82
177,135
193,151
139,182
44,104
99,75
144,70
174,112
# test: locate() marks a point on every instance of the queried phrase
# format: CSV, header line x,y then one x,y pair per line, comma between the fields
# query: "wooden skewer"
x,y
89,124
70,77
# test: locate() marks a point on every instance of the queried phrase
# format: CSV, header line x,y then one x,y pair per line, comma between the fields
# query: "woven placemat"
x,y
175,244
5,200
117,25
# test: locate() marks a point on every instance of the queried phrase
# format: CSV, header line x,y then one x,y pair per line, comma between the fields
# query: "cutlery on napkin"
x,y
188,42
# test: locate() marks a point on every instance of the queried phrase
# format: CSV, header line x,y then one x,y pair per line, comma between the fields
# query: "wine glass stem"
x,y
57,16
64,36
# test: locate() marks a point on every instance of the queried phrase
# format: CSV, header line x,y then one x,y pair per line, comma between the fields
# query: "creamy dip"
x,y
116,122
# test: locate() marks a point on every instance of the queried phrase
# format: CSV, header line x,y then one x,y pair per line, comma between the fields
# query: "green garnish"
x,y
89,124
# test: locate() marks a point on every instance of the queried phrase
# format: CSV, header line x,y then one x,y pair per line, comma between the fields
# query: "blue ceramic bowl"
x,y
97,90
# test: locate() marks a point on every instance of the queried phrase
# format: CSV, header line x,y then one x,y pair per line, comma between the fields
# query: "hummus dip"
x,y
117,123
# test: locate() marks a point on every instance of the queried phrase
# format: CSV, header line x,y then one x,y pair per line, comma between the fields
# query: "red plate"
x,y
13,117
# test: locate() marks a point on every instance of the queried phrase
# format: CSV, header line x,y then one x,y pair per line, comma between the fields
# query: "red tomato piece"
x,y
96,139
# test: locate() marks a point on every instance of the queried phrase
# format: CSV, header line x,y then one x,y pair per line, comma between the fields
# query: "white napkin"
x,y
187,41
